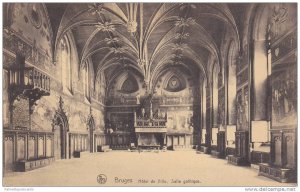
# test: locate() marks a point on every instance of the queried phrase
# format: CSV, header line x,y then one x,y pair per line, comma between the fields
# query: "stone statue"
x,y
138,99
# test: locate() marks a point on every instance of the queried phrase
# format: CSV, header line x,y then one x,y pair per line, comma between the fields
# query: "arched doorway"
x,y
60,128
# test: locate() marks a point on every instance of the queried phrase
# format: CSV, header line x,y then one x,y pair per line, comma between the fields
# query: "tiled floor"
x,y
123,168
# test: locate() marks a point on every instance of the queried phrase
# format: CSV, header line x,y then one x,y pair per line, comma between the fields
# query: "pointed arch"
x,y
60,124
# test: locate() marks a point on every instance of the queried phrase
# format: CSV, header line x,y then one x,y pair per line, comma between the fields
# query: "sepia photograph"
x,y
142,94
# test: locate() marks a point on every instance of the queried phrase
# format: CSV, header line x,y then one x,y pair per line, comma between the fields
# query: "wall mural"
x,y
180,121
77,114
123,90
243,58
29,21
221,107
35,54
284,98
129,85
5,98
35,15
282,19
15,44
242,109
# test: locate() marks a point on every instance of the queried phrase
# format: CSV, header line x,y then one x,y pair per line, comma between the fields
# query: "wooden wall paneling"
x,y
276,148
48,146
21,147
31,147
188,140
8,152
40,146
95,141
44,145
289,150
81,144
26,150
52,145
181,140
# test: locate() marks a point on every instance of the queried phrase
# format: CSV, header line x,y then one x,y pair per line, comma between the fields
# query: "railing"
x,y
29,78
130,100
156,120
122,101
155,124
176,100
146,122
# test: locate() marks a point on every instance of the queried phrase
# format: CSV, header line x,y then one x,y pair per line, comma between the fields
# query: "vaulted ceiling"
x,y
147,37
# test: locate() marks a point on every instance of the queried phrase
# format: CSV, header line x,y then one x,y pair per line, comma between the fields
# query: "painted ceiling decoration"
x,y
130,85
147,37
35,16
174,84
173,79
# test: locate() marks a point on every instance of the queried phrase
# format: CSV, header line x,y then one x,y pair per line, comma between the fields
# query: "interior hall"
x,y
179,90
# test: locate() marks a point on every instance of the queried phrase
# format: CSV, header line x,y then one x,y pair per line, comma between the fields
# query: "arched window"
x,y
203,99
231,84
215,94
66,70
86,81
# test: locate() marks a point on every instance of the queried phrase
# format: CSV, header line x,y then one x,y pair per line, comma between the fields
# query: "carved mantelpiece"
x,y
150,129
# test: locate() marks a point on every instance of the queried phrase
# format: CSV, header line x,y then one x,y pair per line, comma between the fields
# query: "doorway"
x,y
60,128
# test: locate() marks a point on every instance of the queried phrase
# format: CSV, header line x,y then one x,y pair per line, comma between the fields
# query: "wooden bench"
x,y
204,149
120,147
181,147
28,165
79,154
103,148
76,154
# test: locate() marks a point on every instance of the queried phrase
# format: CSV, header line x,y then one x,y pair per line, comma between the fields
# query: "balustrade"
x,y
28,82
131,100
29,78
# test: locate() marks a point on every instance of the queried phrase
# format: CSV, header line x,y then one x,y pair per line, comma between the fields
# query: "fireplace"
x,y
145,140
150,132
